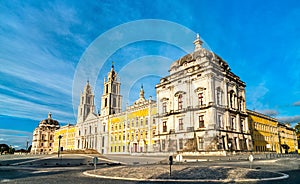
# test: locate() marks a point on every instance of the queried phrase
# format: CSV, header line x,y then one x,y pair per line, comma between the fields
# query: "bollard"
x,y
171,163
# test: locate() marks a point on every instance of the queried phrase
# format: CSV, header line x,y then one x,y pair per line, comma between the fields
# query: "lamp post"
x,y
229,146
59,138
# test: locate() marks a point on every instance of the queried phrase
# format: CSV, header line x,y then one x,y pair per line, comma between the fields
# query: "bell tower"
x,y
111,100
86,105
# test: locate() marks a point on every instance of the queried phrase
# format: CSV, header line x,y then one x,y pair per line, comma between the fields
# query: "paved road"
x,y
34,170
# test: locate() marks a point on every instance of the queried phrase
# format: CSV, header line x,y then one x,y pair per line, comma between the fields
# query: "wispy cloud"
x,y
18,139
255,95
290,119
269,112
296,103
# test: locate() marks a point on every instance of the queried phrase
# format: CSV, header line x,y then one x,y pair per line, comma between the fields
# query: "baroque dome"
x,y
49,121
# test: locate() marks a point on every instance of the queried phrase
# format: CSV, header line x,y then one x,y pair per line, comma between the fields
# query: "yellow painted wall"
x,y
121,138
68,138
264,132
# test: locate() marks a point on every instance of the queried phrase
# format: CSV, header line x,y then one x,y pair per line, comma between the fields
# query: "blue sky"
x,y
42,42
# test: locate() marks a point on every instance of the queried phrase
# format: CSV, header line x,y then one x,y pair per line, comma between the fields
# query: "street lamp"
x,y
59,138
229,146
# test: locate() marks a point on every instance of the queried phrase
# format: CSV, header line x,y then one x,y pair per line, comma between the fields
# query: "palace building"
x,y
201,106
269,135
43,136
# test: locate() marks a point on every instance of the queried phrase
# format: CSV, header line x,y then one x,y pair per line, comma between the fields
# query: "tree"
x,y
11,150
3,148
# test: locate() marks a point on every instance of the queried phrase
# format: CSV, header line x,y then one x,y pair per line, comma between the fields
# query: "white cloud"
x,y
18,139
290,119
255,96
269,112
16,107
296,103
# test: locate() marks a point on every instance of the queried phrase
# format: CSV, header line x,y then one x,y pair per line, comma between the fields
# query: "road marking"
x,y
5,180
37,172
32,160
103,159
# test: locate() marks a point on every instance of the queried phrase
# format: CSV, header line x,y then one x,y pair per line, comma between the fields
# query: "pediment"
x,y
91,116
179,92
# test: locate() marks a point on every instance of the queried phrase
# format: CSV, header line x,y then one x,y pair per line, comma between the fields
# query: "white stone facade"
x,y
43,136
201,106
92,128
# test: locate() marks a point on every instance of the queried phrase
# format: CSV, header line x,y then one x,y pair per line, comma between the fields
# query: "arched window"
x,y
180,102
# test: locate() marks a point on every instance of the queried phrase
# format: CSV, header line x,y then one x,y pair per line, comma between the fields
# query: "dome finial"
x,y
49,115
198,42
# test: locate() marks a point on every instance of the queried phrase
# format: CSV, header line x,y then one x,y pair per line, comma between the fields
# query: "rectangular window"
x,y
146,121
103,140
114,102
200,99
164,107
137,122
201,143
141,121
242,126
201,121
163,145
95,129
180,122
233,123
164,126
103,128
128,123
181,144
220,119
180,102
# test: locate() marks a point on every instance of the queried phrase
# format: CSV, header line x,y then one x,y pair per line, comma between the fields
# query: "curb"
x,y
284,176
